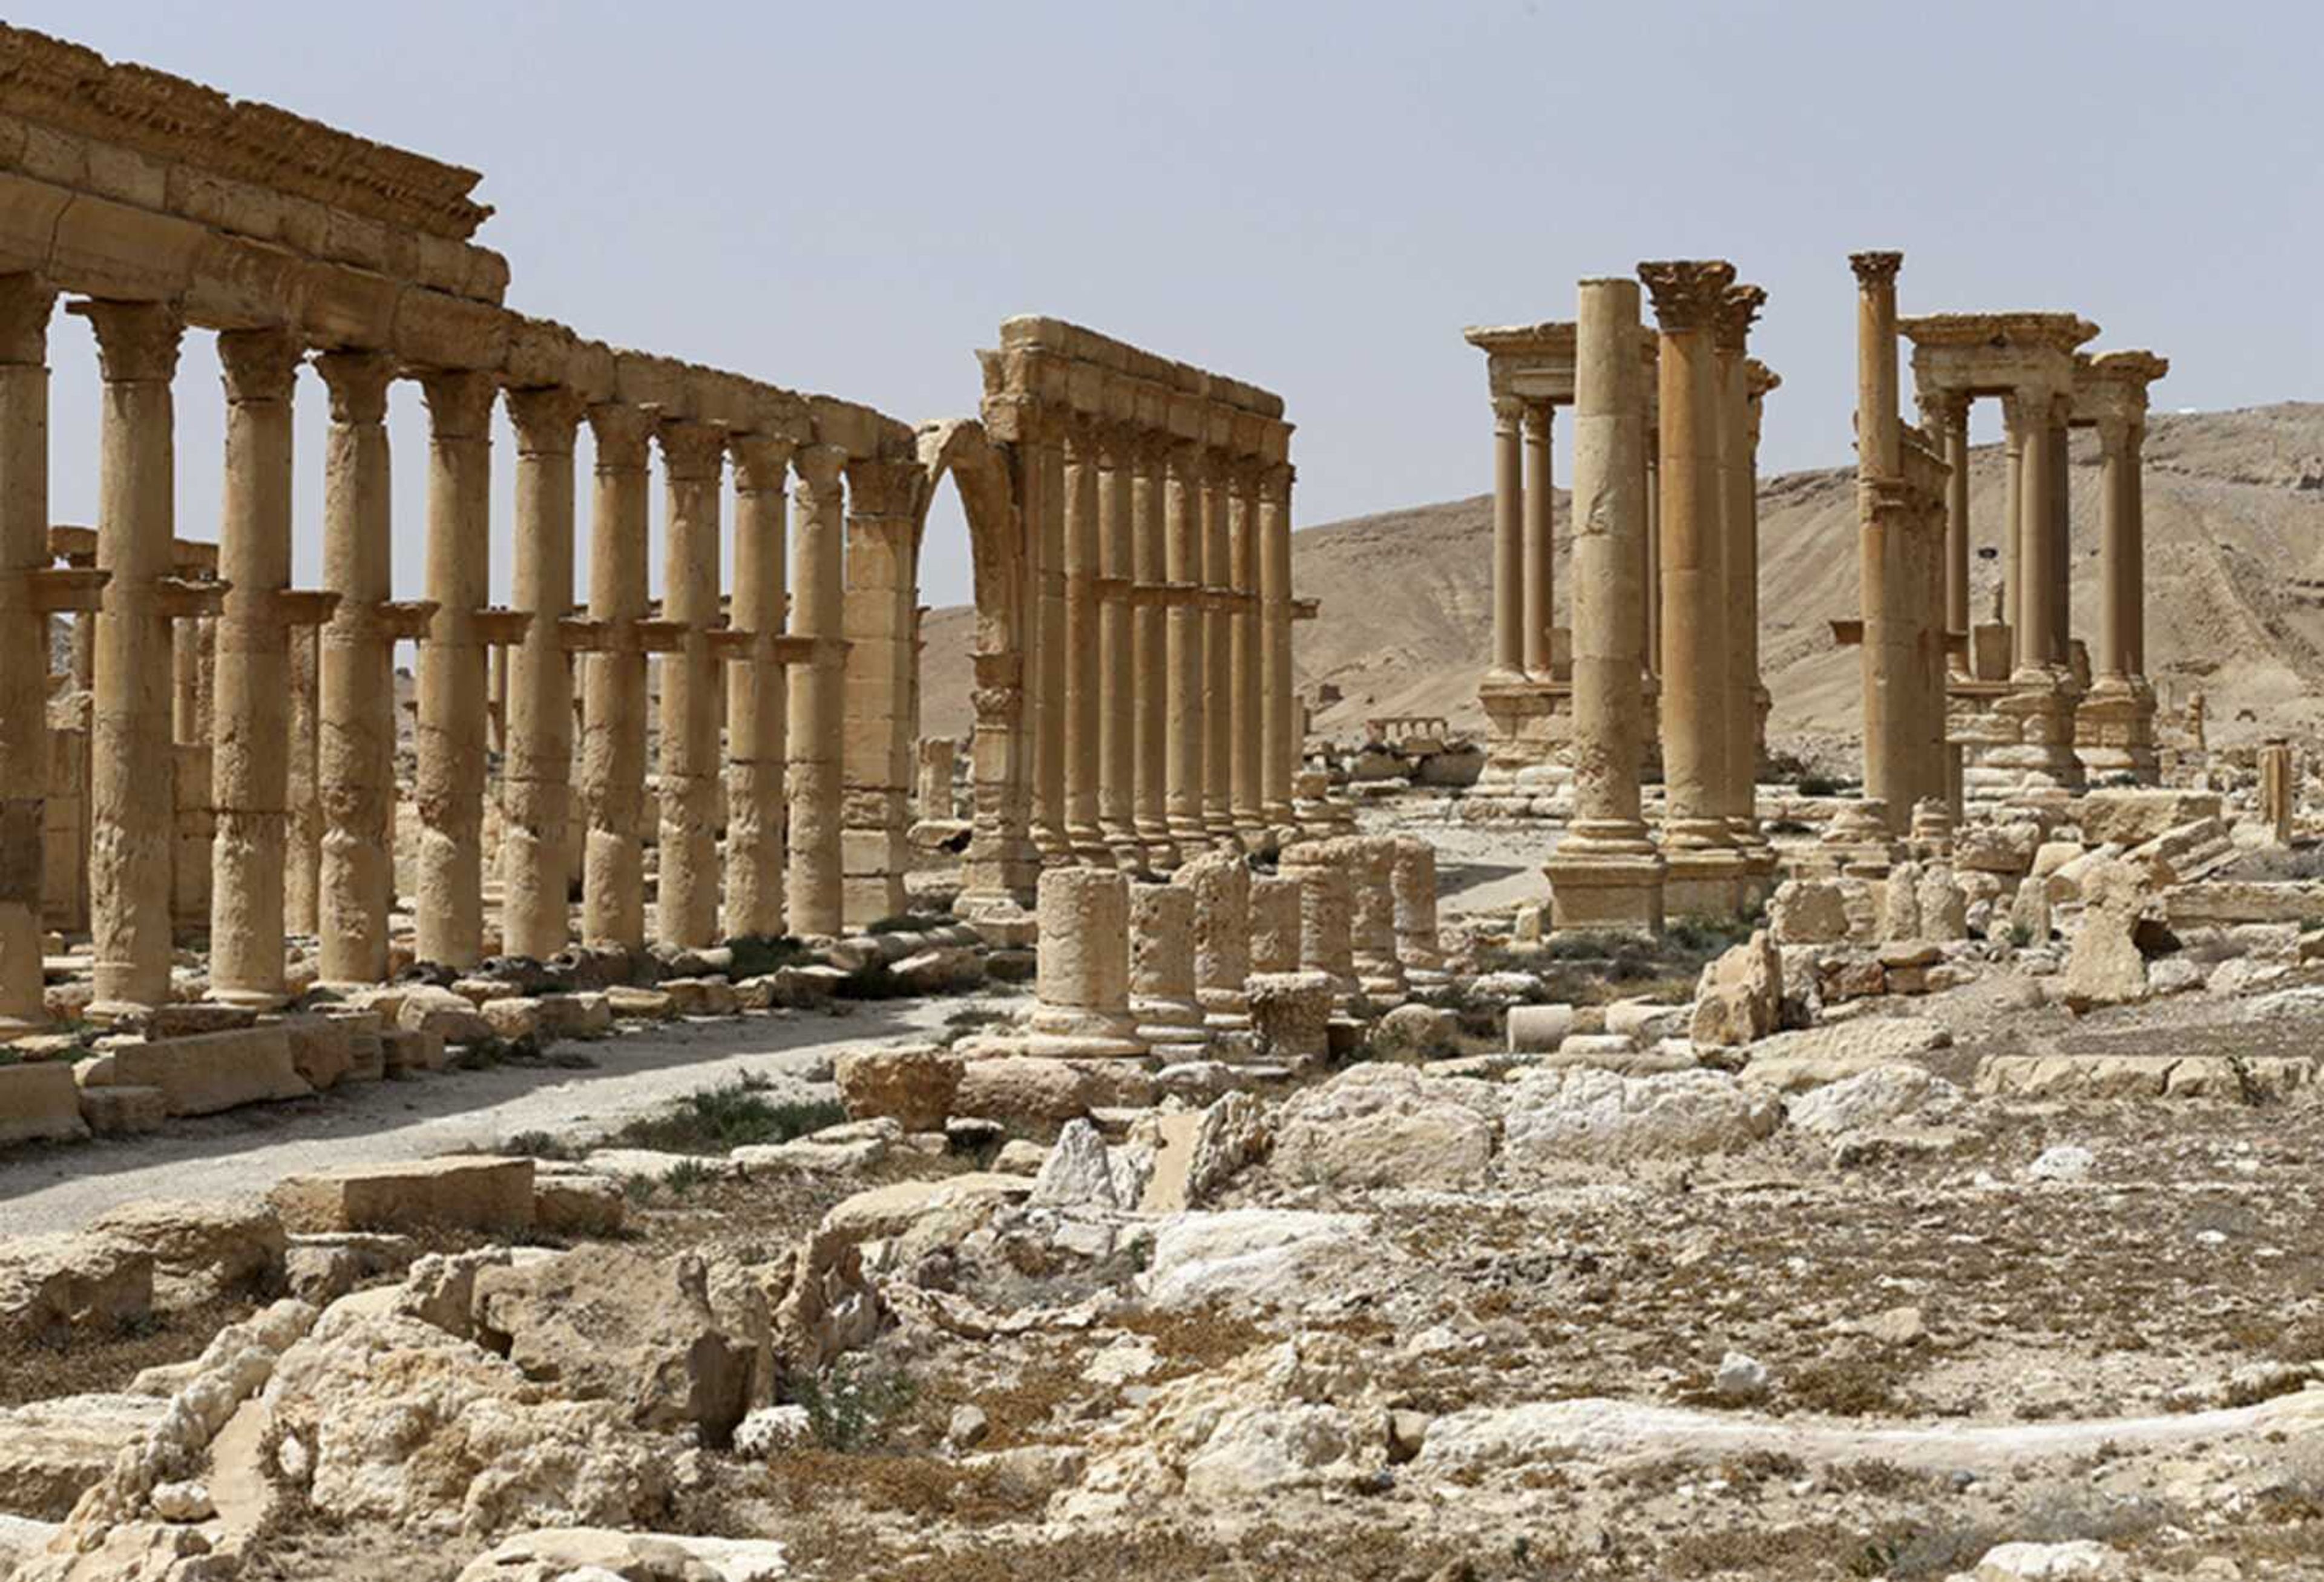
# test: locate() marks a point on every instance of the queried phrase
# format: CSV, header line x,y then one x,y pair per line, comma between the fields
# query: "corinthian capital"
x,y
25,303
762,460
358,383
1876,269
622,433
1736,310
692,452
459,402
258,364
1687,292
546,419
135,340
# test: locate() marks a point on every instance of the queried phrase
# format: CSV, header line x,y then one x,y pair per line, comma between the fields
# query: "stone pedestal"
x,y
1275,924
1325,872
1170,1021
2039,713
2114,731
1220,883
1083,979
1379,971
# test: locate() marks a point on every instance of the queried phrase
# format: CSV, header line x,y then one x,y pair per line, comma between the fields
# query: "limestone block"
x,y
39,1102
914,1085
641,1003
1274,925
2130,817
321,1049
115,1111
1383,1126
2104,966
1032,1090
1422,1030
553,1554
584,1015
1740,995
1538,1029
211,1071
403,1051
480,1193
50,1451
54,1283
452,1017
1220,881
939,969
701,996
1808,912
577,1203
1900,903
1291,1013
512,1017
1943,907
1992,848
2185,852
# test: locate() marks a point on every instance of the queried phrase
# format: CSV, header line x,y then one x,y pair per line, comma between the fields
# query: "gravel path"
x,y
248,1150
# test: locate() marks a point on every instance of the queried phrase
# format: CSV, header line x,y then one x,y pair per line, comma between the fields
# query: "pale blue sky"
x,y
1316,197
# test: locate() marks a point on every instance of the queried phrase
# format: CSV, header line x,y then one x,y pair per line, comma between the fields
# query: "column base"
x,y
1161,853
248,999
1702,881
1601,883
1058,1032
2114,731
1189,835
1224,1010
113,1013
2041,708
1172,1030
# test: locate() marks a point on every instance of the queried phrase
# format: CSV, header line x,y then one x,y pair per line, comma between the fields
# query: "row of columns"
x,y
352,774
1161,649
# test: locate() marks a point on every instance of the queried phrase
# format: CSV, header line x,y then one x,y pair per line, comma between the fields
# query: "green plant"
x,y
713,1120
639,1189
683,1176
910,923
851,1403
757,954
2020,935
539,1146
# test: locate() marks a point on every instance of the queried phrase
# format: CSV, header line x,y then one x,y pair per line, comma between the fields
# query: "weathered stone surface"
x,y
477,1192
2141,1076
577,1203
1076,1173
1416,1031
1881,1095
1291,1013
913,1085
124,1112
201,1249
1740,995
51,1450
39,1102
1253,1257
1561,1114
1381,1125
1996,847
587,1554
404,1051
883,1213
55,1284
2104,966
651,1005
1791,1063
2132,817
1808,912
1031,1089
211,1071
450,1016
321,1049
1536,1029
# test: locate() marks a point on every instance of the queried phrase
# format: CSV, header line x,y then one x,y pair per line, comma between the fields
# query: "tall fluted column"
x,y
1886,654
1606,872
1084,688
452,702
250,768
356,745
613,721
1697,842
817,698
2012,529
1151,645
2117,569
1508,541
2039,551
755,690
1738,536
302,824
686,905
25,303
1218,653
1042,463
1540,540
131,809
1949,426
537,763
1184,561
1246,730
1117,729
1279,722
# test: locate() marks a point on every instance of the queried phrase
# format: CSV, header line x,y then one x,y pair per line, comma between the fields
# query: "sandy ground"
x,y
248,1150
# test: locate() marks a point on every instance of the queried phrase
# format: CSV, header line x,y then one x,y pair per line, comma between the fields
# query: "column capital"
x,y
258,364
2120,433
459,401
546,417
883,487
1943,411
2027,408
135,340
1508,414
692,451
1688,292
762,460
1876,269
622,433
26,301
1540,420
1738,309
357,381
1275,484
818,467
1186,459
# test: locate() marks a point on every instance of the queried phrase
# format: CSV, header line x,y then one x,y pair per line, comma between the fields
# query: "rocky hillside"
x,y
2235,515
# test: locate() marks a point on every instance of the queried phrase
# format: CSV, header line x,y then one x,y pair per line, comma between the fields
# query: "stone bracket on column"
x,y
77,545
403,621
1114,589
654,635
179,598
305,606
577,634
1847,633
55,590
1306,609
1226,601
505,627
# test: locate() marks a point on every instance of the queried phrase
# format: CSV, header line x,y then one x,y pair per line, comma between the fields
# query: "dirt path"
x,y
247,1150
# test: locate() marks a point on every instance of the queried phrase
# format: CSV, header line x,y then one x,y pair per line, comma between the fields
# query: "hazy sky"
x,y
1316,197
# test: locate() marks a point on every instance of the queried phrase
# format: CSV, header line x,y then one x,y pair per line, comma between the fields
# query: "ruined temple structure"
x,y
1674,593
1955,707
1129,520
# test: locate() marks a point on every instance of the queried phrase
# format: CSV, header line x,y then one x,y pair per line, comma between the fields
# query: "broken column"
x,y
1275,924
1083,979
2279,788
130,780
1605,873
1324,870
938,755
1413,877
1220,883
1371,867
1169,1018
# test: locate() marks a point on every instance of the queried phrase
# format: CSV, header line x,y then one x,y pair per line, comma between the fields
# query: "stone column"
x,y
1150,643
1274,923
249,775
1326,912
1947,417
1412,879
875,730
2118,714
1508,542
302,838
816,700
1184,565
1042,486
25,302
1739,557
1698,845
1760,382
2043,691
1605,873
614,719
686,904
356,745
1540,540
1280,716
2279,785
755,690
1162,972
2013,529
131,809
1246,730
1887,650
1650,482
1082,981
451,735
537,762
2058,582
1219,883
1117,724
1371,870
1218,651
1084,686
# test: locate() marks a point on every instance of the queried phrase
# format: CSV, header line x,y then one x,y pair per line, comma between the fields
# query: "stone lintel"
x,y
1306,609
578,634
73,544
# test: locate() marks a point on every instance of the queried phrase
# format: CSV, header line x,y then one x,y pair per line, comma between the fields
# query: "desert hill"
x,y
2235,535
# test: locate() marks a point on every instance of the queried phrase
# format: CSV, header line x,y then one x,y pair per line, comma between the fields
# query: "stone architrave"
x,y
1412,879
1162,975
613,731
1220,884
1605,873
687,896
25,304
537,763
816,700
1275,924
132,806
355,743
1082,982
1705,868
757,691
